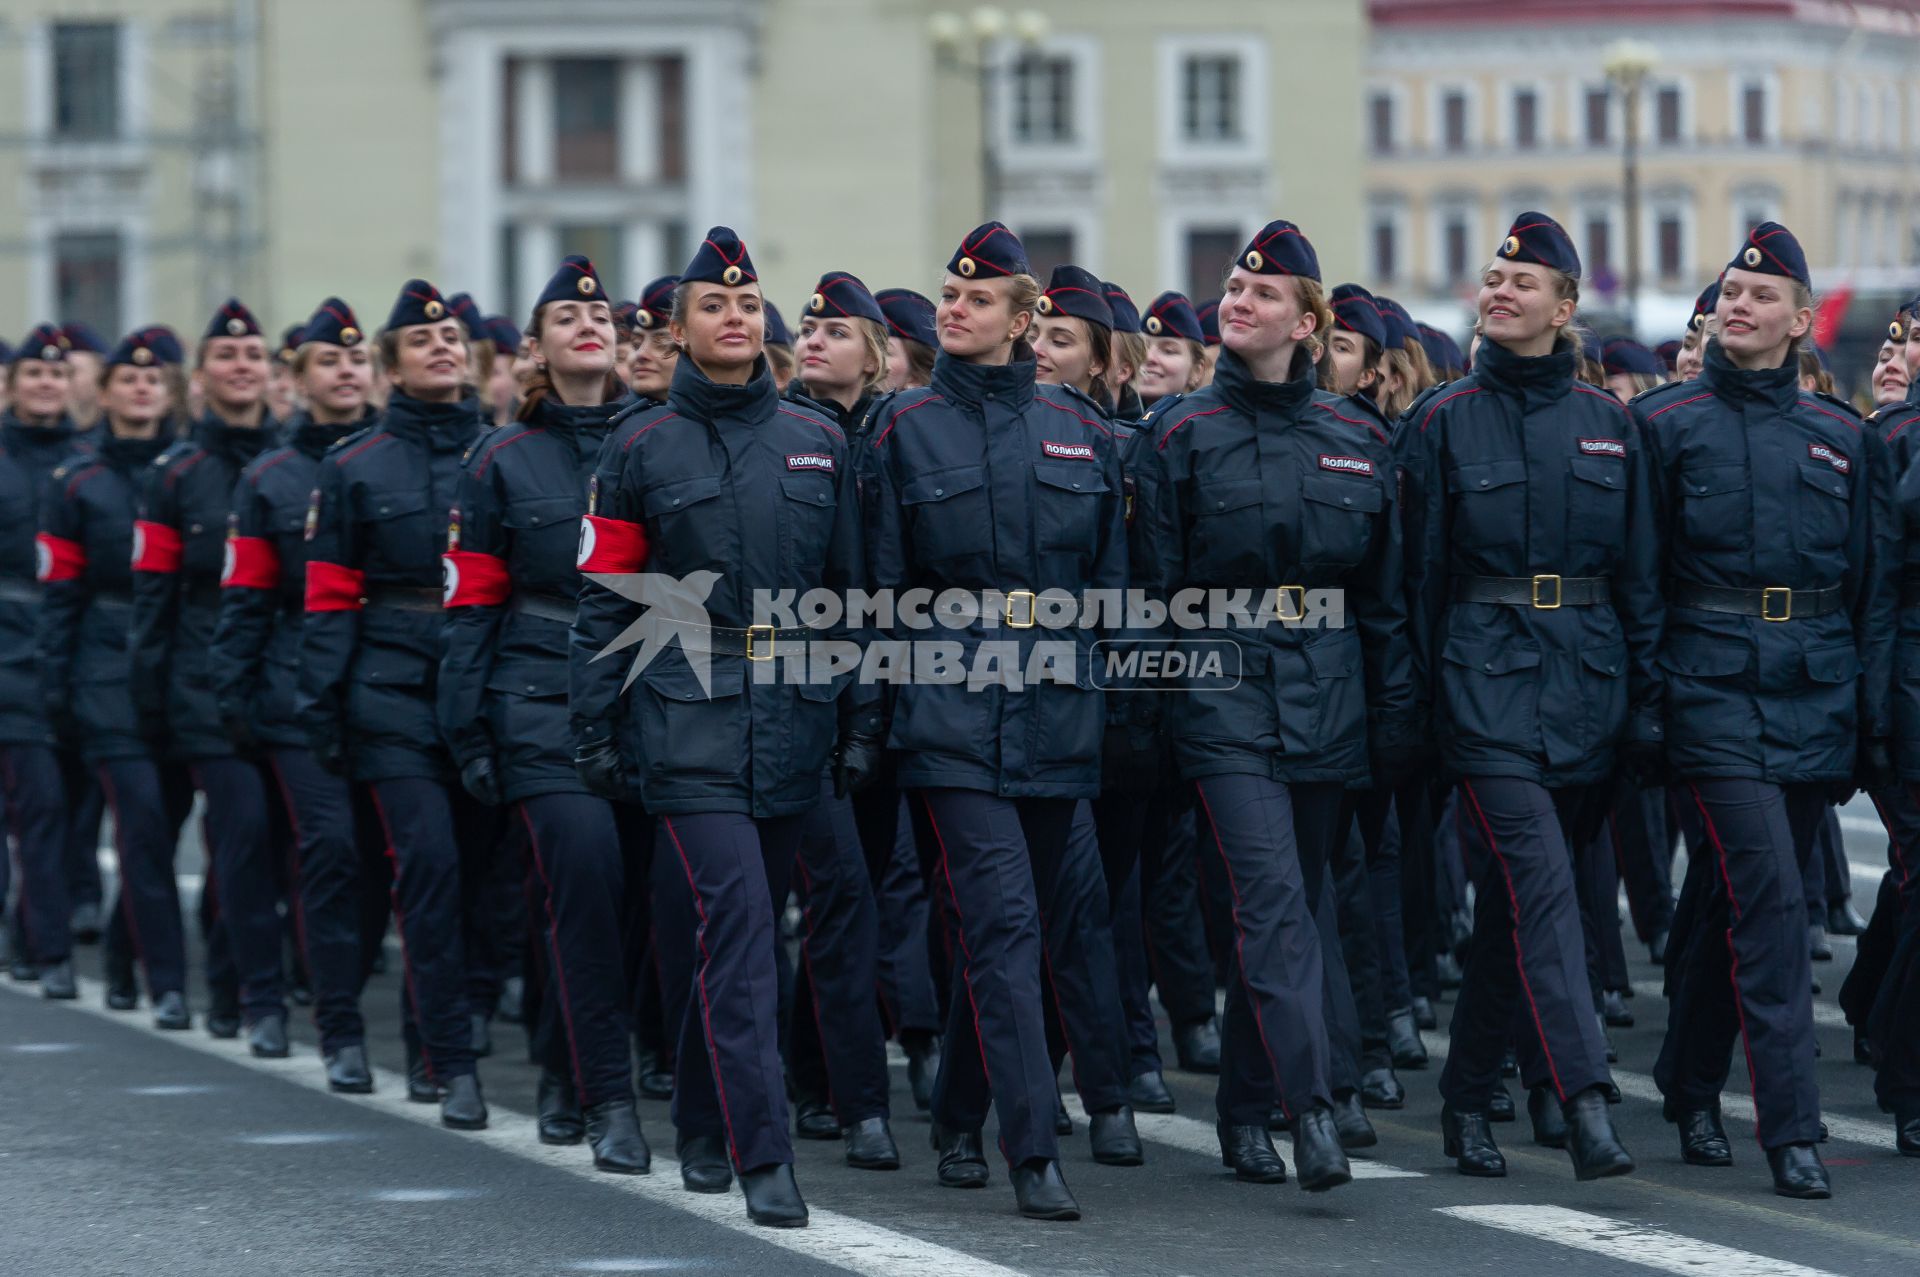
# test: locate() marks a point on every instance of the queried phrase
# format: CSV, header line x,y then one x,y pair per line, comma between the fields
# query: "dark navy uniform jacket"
x,y
986,483
28,457
256,642
1249,486
86,556
732,481
1518,470
1760,484
511,586
1899,428
370,642
179,552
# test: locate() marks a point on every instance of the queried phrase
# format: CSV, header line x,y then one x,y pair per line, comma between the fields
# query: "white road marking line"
x,y
1632,1243
1194,1136
831,1238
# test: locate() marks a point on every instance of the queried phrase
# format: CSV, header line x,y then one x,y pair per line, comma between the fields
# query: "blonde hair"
x,y
1313,300
1133,350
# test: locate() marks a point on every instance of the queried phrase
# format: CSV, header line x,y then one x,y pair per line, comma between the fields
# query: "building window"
x,y
1599,117
1047,247
1043,100
87,275
1753,112
1380,123
1456,247
86,81
586,119
1211,251
1669,245
598,242
1384,242
1453,120
1210,95
1526,119
1667,115
1599,254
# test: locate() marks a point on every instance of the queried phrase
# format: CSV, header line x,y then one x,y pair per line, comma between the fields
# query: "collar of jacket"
x,y
128,455
1287,399
1533,379
21,437
848,419
1779,387
442,427
971,385
239,444
572,420
1129,408
313,438
704,399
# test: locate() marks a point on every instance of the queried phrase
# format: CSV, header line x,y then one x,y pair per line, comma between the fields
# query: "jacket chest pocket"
x,y
687,529
402,534
1228,529
544,532
1824,509
1490,501
1714,510
810,507
947,514
1066,506
1336,518
1597,502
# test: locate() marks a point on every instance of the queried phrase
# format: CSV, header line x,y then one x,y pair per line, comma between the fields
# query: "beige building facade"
x,y
1805,113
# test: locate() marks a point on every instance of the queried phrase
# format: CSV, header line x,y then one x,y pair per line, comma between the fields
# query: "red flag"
x,y
1831,313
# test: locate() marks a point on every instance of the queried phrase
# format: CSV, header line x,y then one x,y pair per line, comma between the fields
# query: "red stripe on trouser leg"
x,y
559,967
1519,954
400,922
966,971
700,976
1240,949
1733,954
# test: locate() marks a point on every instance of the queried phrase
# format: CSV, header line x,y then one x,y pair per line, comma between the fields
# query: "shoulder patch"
x,y
313,514
1604,448
810,461
1068,451
1346,465
1832,456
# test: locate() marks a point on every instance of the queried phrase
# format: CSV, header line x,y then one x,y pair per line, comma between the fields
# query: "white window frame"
x,y
1255,102
1402,131
1763,195
1083,150
1437,94
1650,112
1658,204
1738,83
1892,132
1592,206
1441,210
1176,224
1577,117
1393,210
1083,223
1509,130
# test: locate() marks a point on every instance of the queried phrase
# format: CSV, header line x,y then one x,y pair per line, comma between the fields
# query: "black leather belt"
x,y
1545,592
549,606
20,592
405,598
756,642
1773,603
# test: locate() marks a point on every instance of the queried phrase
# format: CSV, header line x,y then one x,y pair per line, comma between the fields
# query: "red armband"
x,y
251,564
156,547
611,545
473,579
58,559
332,588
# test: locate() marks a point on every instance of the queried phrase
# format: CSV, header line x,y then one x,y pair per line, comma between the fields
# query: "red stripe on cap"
x,y
58,559
334,588
156,547
474,579
252,564
611,545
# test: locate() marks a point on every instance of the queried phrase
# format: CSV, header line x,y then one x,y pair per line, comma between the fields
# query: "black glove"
x,y
329,750
1873,764
479,778
602,768
856,761
1644,763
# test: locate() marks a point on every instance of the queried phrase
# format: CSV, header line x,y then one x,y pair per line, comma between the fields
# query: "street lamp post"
x,y
967,44
1628,63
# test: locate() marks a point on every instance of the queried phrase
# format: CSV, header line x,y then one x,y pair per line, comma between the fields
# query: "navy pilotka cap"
x,y
777,334
1669,352
1539,239
839,294
909,315
1355,310
1075,293
1397,322
989,251
1280,249
418,303
146,348
334,324
1208,313
1771,249
623,315
467,311
575,281
82,338
43,343
289,343
656,303
1126,315
1171,315
720,259
1623,355
504,335
233,319
1443,353
1703,306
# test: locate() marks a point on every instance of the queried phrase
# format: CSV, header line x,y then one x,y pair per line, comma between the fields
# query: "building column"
x,y
639,120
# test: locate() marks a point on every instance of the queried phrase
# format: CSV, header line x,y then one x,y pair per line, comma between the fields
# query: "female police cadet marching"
x,y
256,658
984,483
511,583
85,548
1261,484
369,647
724,490
1535,615
651,361
1779,559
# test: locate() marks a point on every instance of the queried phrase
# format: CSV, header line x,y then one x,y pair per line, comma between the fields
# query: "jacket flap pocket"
x,y
1485,476
942,484
1607,658
1070,476
390,667
543,512
537,682
1600,472
809,489
669,497
1490,658
393,505
1705,658
1825,478
673,678
1707,481
1220,498
1833,664
1362,496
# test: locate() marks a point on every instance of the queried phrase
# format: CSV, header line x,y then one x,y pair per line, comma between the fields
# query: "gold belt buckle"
x,y
1032,604
1538,581
1298,594
1767,597
753,633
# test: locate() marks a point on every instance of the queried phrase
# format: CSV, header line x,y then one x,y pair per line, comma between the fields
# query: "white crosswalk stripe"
x,y
1618,1239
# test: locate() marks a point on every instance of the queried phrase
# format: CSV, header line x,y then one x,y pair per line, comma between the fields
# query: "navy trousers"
x,y
242,855
1176,928
143,837
331,837
1528,957
1745,972
37,820
1126,820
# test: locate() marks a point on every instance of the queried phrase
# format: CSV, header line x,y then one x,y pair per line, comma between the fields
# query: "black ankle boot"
x,y
559,1119
1591,1141
1468,1140
773,1199
1249,1153
1797,1172
1318,1160
1549,1123
1041,1193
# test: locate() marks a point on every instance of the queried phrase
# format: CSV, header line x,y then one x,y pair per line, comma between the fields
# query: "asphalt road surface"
x,y
127,1151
